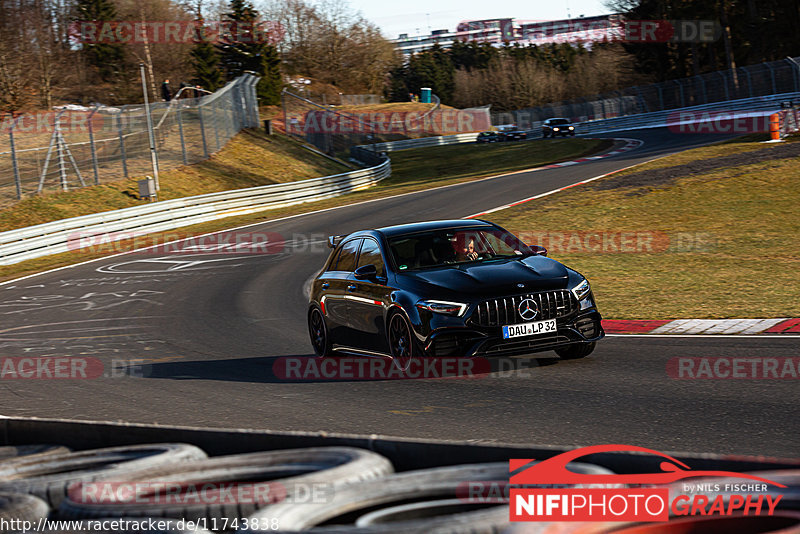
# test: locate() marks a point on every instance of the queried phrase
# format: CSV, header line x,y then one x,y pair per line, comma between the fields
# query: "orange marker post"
x,y
775,127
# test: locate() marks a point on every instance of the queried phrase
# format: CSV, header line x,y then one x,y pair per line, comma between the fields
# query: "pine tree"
x,y
271,83
245,50
205,61
106,58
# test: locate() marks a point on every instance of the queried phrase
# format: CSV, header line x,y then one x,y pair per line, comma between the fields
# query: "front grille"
x,y
503,311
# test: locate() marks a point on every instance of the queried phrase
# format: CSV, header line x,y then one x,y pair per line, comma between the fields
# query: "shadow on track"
x,y
308,368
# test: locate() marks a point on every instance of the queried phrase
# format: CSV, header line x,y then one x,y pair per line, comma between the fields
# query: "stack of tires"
x,y
177,488
355,490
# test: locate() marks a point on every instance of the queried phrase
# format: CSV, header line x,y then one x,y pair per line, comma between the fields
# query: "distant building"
x,y
508,30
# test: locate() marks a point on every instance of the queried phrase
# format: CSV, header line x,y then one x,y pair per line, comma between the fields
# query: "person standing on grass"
x,y
166,94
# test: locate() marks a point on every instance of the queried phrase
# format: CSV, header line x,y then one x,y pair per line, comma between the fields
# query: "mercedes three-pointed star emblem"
x,y
528,309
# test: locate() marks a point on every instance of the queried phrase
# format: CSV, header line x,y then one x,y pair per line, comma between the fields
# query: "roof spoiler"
x,y
334,240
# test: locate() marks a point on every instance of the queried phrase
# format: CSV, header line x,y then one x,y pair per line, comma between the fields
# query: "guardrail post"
x,y
14,163
62,166
643,102
122,144
725,85
772,77
202,129
703,88
180,133
749,82
796,68
215,120
92,148
237,108
660,97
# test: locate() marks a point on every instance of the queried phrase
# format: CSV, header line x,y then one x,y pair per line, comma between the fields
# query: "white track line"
x,y
541,195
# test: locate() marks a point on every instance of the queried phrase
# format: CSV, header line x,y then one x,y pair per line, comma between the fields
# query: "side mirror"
x,y
366,272
538,250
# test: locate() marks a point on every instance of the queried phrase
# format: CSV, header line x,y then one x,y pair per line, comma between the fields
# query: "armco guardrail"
x,y
56,237
423,142
765,104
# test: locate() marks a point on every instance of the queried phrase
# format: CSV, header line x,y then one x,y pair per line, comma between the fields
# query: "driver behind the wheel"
x,y
470,251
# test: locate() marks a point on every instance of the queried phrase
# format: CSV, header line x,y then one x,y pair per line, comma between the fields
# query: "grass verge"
x,y
250,159
409,173
722,241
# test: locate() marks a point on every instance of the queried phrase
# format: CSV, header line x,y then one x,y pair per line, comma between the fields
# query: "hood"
x,y
496,278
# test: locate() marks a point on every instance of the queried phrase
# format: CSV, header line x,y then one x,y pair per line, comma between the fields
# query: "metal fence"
x,y
76,146
362,129
734,84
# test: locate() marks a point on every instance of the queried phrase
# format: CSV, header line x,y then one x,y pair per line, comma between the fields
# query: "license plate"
x,y
529,329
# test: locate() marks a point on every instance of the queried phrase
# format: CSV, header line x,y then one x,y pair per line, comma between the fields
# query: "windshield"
x,y
557,122
454,246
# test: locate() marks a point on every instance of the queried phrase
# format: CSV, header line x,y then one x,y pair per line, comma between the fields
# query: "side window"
x,y
347,256
371,253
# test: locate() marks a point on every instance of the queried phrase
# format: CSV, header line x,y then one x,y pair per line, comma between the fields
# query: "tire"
x,y
49,477
575,351
395,495
13,453
318,332
21,507
439,483
286,475
402,346
458,515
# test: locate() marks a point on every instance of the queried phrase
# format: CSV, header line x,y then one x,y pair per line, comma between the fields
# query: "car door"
x,y
366,300
333,292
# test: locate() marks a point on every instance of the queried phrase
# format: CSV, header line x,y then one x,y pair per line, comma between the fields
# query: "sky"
x,y
406,16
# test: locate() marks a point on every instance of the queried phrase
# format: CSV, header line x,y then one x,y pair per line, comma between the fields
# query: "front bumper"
x,y
468,340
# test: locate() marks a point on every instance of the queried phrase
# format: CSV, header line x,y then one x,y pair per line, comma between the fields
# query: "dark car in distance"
x,y
456,288
511,133
487,137
557,126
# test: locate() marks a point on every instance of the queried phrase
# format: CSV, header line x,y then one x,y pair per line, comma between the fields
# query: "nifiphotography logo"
x,y
641,497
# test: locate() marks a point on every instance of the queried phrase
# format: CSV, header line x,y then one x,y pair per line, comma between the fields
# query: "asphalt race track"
x,y
207,328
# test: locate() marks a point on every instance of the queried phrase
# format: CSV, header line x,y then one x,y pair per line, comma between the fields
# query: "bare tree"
x,y
331,43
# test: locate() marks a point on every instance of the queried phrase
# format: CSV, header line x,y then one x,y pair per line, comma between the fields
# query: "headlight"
x,y
581,290
555,129
571,128
456,309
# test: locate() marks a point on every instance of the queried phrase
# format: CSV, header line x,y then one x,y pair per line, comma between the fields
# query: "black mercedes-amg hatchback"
x,y
448,289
